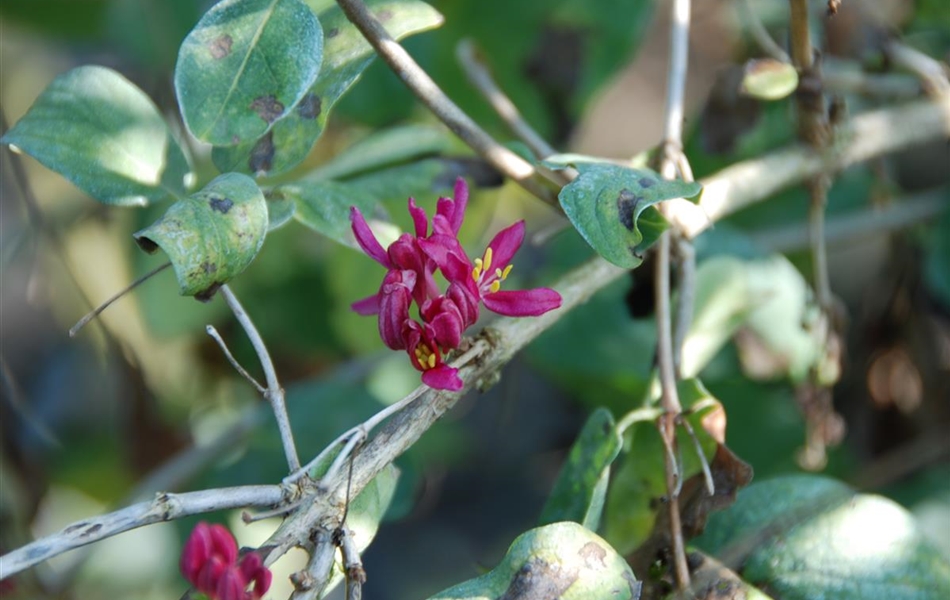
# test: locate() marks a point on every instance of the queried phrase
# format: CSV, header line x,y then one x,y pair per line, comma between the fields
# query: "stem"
x,y
274,393
761,34
686,286
667,359
426,90
98,310
165,507
816,228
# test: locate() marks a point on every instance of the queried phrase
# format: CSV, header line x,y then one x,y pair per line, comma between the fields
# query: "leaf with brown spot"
x,y
243,64
211,236
606,201
561,561
346,55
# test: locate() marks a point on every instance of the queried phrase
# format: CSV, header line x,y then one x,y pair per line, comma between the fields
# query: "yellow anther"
x,y
477,271
488,254
495,286
504,274
432,361
498,273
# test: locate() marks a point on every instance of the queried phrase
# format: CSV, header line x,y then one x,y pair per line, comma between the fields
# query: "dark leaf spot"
x,y
334,31
268,108
626,208
262,155
209,268
310,106
208,294
593,554
222,205
221,46
384,15
539,580
146,244
647,182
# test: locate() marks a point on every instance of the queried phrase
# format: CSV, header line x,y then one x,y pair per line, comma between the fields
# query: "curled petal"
x,y
254,571
367,306
210,575
419,218
231,585
461,202
447,326
443,377
223,544
505,243
522,303
366,239
394,304
465,298
196,552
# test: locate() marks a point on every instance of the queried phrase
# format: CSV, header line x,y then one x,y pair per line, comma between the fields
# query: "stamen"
x,y
495,286
432,361
504,274
477,271
488,255
498,273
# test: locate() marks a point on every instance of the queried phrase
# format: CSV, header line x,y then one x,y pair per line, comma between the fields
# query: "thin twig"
x,y
479,75
165,507
707,473
761,34
352,565
669,398
274,393
818,190
98,310
210,330
426,90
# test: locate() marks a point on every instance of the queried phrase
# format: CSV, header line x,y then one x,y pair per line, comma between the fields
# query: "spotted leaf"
x,y
246,65
212,235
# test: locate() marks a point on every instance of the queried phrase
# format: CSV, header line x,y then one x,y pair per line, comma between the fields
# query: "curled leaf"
x,y
768,79
212,235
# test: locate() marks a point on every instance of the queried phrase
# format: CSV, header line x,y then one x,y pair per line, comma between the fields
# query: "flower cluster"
x,y
411,263
209,561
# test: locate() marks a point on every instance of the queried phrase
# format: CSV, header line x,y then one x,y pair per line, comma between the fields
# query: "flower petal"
x,y
443,377
522,303
223,544
447,326
419,218
367,306
505,243
461,202
366,239
196,552
394,299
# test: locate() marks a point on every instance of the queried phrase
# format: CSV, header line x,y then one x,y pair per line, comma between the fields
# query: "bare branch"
x,y
98,310
931,72
864,137
234,363
274,393
165,507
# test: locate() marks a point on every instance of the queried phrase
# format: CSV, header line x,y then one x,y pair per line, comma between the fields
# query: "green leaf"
x,y
605,201
768,79
212,235
581,487
102,133
280,208
805,536
561,560
384,148
346,55
324,206
245,65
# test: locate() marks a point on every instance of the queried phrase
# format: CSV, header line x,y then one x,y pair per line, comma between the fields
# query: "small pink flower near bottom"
x,y
209,561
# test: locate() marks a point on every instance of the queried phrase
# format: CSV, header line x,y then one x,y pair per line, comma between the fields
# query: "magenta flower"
x,y
209,561
411,262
